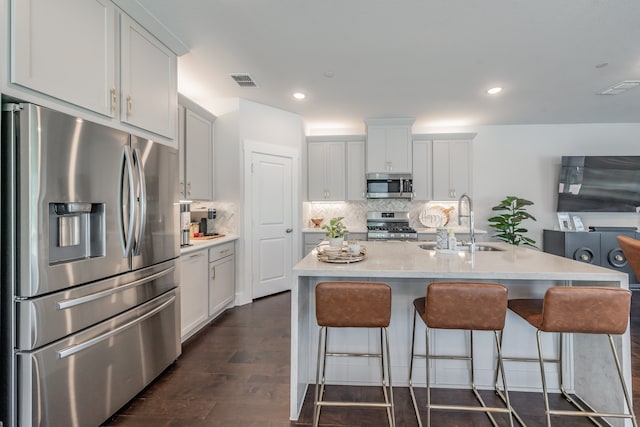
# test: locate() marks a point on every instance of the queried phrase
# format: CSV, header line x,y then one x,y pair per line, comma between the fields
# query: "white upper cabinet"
x,y
451,169
356,186
389,145
422,178
326,171
66,49
69,50
149,80
196,145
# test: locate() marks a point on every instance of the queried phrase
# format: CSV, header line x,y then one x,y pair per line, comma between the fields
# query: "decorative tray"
x,y
342,256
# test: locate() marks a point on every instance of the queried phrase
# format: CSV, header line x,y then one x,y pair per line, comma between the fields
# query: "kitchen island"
x,y
408,268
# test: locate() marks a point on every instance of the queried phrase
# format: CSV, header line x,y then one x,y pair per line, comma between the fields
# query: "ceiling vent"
x,y
244,80
620,87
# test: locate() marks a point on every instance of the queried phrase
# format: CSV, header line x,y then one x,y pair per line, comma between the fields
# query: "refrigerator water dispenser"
x,y
76,231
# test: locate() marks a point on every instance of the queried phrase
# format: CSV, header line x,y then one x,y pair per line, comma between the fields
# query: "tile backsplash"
x,y
355,213
226,220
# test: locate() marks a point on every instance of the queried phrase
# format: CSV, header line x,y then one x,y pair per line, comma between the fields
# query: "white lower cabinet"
x,y
222,277
193,292
207,286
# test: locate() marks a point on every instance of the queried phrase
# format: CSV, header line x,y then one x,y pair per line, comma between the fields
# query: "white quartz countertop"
x,y
199,245
408,260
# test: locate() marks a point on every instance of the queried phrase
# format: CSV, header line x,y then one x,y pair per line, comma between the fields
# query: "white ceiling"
x,y
429,59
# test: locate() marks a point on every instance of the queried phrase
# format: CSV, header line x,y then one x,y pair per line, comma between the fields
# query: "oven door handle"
x,y
70,351
64,304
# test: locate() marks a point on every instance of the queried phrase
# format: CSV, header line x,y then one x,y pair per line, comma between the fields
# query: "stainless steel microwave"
x,y
389,186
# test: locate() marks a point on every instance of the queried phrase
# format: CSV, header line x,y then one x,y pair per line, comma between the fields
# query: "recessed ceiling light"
x,y
299,95
494,90
602,65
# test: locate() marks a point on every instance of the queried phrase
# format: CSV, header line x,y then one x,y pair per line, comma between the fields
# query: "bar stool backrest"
x,y
631,250
466,305
589,310
353,304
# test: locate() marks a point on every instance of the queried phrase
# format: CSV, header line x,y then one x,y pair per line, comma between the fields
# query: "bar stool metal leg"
x,y
319,388
412,357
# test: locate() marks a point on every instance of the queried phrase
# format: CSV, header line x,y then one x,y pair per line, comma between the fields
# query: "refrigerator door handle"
x,y
142,201
126,240
65,304
70,351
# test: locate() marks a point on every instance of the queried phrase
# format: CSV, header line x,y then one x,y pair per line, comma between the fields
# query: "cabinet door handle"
x,y
114,100
213,273
188,188
199,254
129,105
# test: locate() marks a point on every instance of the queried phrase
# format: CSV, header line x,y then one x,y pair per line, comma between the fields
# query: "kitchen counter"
x,y
408,269
197,245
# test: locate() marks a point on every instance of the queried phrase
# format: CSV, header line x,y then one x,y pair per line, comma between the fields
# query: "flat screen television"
x,y
599,184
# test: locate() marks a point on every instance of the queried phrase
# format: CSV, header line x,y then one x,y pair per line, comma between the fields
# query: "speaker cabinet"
x,y
592,247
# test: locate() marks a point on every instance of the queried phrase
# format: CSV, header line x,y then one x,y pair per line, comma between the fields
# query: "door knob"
x,y
289,230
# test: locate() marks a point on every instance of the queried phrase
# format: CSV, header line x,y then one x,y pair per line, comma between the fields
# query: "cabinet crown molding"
x,y
335,138
466,136
391,121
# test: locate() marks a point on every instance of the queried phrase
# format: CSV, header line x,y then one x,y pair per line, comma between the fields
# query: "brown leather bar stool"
x,y
353,305
465,306
631,250
586,310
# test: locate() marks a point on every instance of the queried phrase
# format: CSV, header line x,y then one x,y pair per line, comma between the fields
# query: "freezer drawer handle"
x,y
64,304
70,351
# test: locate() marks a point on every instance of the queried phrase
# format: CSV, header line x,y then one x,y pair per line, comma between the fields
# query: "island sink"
x,y
479,247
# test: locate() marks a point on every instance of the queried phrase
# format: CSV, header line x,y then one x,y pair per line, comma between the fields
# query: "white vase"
x,y
336,242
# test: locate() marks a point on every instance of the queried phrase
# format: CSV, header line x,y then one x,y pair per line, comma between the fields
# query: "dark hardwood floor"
x,y
235,372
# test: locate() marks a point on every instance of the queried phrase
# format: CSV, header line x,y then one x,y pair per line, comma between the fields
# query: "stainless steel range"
x,y
389,226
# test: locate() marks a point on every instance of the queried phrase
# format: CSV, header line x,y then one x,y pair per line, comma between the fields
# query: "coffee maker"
x,y
185,222
206,224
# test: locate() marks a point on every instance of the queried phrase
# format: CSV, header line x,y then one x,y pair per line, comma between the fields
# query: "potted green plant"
x,y
508,223
335,231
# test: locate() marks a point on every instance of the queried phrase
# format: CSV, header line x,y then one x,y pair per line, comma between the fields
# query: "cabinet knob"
x,y
289,230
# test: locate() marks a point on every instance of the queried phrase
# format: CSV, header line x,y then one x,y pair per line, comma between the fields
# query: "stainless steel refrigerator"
x,y
89,281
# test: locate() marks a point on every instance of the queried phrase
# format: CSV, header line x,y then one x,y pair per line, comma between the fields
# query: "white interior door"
x,y
272,225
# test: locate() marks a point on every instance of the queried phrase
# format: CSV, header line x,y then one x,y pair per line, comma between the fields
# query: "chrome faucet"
x,y
472,234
